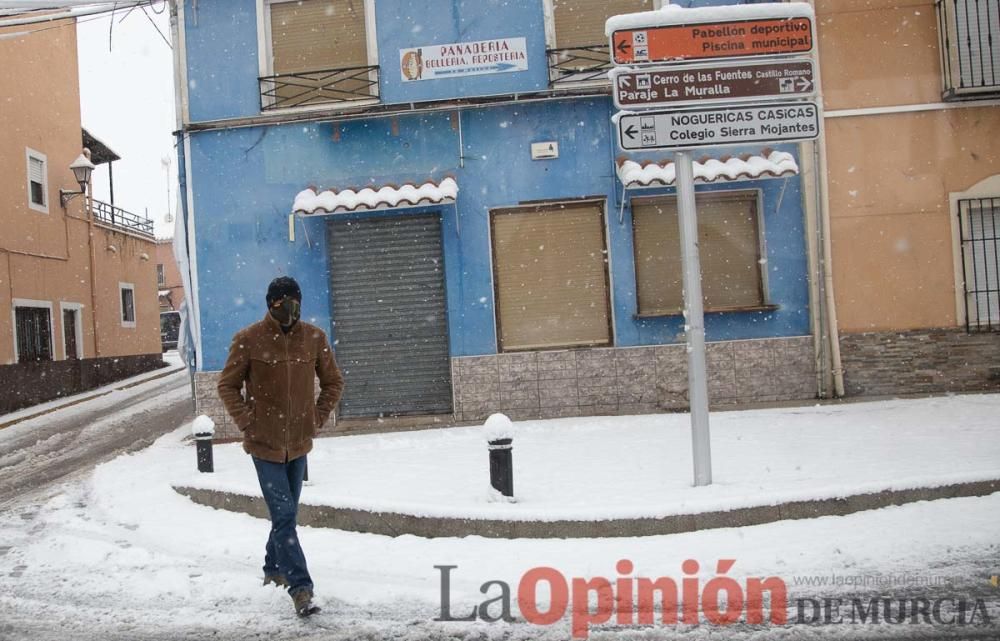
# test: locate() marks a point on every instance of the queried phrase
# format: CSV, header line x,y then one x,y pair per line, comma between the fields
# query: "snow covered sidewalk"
x,y
124,536
640,466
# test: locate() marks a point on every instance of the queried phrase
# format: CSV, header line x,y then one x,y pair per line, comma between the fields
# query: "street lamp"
x,y
82,168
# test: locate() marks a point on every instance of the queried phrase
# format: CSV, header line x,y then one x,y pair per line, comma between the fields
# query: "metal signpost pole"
x,y
694,327
738,85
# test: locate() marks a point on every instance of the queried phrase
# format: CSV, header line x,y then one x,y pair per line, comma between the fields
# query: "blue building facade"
x,y
510,102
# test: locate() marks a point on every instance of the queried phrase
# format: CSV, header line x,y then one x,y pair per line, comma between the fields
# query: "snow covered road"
x,y
117,554
37,452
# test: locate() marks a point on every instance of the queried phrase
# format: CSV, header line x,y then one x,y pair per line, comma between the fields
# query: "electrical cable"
x,y
157,27
34,17
62,24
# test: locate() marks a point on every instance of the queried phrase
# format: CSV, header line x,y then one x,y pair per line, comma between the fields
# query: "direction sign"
x,y
673,42
735,125
712,83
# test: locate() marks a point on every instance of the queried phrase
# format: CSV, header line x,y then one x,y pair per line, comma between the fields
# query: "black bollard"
x,y
502,465
204,445
305,472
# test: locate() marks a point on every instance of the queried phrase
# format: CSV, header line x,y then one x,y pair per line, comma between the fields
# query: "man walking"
x,y
279,359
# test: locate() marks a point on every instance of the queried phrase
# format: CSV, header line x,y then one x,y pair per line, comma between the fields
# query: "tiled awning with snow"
x,y
309,202
767,164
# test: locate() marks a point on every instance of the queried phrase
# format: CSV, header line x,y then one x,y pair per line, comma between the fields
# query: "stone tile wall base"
x,y
26,384
602,381
920,362
630,380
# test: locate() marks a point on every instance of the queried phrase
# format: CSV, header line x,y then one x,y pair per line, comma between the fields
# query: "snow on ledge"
x,y
328,201
673,14
768,164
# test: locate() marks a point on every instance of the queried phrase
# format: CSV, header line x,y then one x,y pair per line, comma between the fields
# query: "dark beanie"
x,y
281,287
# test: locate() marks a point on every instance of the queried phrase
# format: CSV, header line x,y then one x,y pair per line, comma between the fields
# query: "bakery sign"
x,y
432,62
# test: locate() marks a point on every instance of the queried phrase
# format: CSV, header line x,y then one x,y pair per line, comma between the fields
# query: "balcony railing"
x,y
579,64
322,87
970,48
117,217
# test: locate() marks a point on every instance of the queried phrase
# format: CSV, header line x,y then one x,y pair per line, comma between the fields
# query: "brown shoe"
x,y
303,600
277,580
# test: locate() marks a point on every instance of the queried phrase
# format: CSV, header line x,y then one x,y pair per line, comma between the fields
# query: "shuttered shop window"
x,y
551,276
311,35
580,23
729,248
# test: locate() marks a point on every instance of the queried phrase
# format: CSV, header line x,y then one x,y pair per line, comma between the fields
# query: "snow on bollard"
x,y
500,437
203,429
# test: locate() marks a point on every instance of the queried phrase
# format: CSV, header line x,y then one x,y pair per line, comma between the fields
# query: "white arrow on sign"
x,y
723,82
717,126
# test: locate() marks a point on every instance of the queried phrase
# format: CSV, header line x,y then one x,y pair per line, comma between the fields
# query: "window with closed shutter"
x,y
36,180
312,39
580,23
551,279
309,35
728,245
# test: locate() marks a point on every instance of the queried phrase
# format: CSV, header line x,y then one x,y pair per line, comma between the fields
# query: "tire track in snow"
x,y
37,454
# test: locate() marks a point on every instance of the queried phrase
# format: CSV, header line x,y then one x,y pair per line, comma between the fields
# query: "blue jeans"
x,y
281,485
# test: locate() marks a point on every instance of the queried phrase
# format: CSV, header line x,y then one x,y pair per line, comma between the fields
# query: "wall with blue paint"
x,y
220,39
222,50
403,24
785,264
245,180
222,46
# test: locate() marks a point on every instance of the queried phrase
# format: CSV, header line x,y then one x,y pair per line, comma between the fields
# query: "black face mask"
x,y
286,311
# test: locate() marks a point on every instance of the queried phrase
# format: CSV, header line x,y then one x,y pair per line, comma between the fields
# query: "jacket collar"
x,y
275,326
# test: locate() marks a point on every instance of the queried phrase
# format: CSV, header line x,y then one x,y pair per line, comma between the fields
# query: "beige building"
x,y
912,120
77,275
168,276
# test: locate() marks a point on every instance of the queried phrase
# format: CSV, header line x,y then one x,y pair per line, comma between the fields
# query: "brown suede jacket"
x,y
280,415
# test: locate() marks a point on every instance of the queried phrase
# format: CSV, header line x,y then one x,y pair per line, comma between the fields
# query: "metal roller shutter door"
x,y
389,312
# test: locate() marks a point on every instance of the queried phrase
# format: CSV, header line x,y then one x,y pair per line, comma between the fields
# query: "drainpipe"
x,y
817,322
89,213
826,262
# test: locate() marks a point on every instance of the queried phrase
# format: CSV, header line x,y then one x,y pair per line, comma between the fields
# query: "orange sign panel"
x,y
664,43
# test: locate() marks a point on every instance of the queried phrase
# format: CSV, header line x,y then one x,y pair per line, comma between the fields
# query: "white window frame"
x,y
77,309
121,307
986,188
28,302
30,154
265,60
161,274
